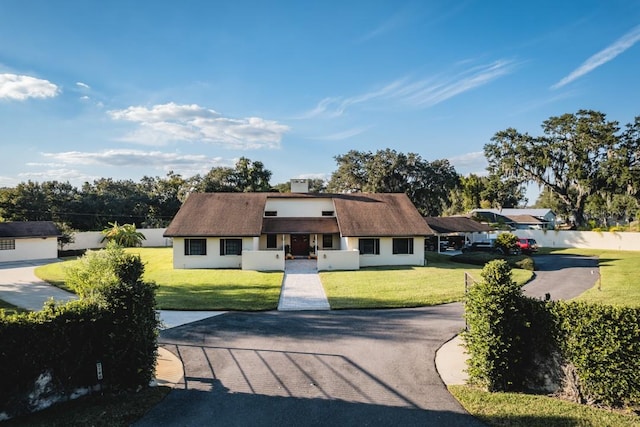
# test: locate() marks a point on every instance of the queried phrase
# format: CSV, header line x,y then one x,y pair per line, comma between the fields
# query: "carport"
x,y
464,227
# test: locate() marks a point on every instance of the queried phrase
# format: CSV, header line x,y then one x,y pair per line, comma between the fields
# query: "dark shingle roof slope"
x,y
26,229
524,219
299,225
455,224
378,214
219,214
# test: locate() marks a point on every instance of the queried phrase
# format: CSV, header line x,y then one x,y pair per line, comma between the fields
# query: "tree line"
x,y
586,166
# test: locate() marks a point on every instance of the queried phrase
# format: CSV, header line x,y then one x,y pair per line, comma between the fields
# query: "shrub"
x,y
495,323
602,343
49,354
506,243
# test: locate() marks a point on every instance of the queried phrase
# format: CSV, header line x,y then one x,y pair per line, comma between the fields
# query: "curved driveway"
x,y
364,367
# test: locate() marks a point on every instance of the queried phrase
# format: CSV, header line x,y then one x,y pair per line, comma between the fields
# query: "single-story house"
x,y
28,240
520,219
454,232
258,231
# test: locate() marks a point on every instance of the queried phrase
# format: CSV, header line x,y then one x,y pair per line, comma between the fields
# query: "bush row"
x,y
51,354
588,352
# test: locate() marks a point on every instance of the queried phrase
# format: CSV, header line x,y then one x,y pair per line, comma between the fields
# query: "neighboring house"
x,y
257,231
29,240
520,219
454,232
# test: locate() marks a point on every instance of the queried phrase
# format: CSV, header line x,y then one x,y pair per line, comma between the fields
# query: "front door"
x,y
300,244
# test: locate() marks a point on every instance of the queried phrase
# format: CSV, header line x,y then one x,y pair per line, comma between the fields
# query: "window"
x,y
7,244
230,247
327,240
195,246
369,246
402,246
272,241
327,213
270,213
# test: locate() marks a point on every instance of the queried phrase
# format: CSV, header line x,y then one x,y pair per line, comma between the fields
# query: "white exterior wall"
x,y
31,249
92,239
626,241
338,260
263,260
307,207
386,256
212,259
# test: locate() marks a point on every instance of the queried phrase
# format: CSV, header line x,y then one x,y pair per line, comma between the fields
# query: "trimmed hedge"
x,y
519,343
51,354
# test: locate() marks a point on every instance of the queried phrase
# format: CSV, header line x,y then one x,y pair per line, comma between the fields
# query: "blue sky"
x,y
123,89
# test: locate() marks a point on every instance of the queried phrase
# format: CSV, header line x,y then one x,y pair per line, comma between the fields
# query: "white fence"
x,y
612,240
92,239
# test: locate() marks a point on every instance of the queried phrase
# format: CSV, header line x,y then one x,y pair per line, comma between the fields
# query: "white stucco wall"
x,y
386,256
272,260
338,260
618,241
92,239
308,207
31,249
212,259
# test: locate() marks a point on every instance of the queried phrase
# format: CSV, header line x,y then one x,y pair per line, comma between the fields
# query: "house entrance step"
x,y
301,287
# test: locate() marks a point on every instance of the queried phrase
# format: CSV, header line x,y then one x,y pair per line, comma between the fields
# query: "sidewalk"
x,y
301,287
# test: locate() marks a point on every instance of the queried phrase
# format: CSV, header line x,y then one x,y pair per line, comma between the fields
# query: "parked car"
x,y
527,246
482,246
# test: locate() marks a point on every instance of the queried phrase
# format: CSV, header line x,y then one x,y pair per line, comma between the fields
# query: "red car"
x,y
527,246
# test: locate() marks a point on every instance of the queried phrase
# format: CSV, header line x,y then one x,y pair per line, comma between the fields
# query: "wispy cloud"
x,y
420,93
602,57
19,87
82,85
171,122
395,21
339,136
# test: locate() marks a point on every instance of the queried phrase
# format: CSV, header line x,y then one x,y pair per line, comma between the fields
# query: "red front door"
x,y
300,244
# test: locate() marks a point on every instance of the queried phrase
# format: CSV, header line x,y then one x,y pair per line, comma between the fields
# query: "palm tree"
x,y
124,235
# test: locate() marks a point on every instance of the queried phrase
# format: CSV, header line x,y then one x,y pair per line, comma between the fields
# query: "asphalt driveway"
x,y
340,368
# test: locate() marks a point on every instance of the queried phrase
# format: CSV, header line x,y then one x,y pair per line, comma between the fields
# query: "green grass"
x,y
515,410
200,289
441,281
620,281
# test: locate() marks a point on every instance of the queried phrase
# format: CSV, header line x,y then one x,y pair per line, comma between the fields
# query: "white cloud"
x,y
623,43
170,122
83,85
473,162
417,93
19,87
133,158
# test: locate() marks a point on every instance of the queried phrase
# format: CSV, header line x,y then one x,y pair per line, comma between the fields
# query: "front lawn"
x,y
620,282
195,289
526,410
441,281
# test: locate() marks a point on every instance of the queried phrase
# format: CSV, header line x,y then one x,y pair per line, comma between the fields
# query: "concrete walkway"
x,y
301,287
21,287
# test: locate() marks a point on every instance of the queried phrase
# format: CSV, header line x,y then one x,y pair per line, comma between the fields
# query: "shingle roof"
x,y
26,229
453,224
300,225
378,214
525,219
219,214
242,214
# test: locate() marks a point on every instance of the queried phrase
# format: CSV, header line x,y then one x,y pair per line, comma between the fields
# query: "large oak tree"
x,y
570,159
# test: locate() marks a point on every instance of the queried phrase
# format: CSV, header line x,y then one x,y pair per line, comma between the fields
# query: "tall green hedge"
x,y
516,342
50,354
